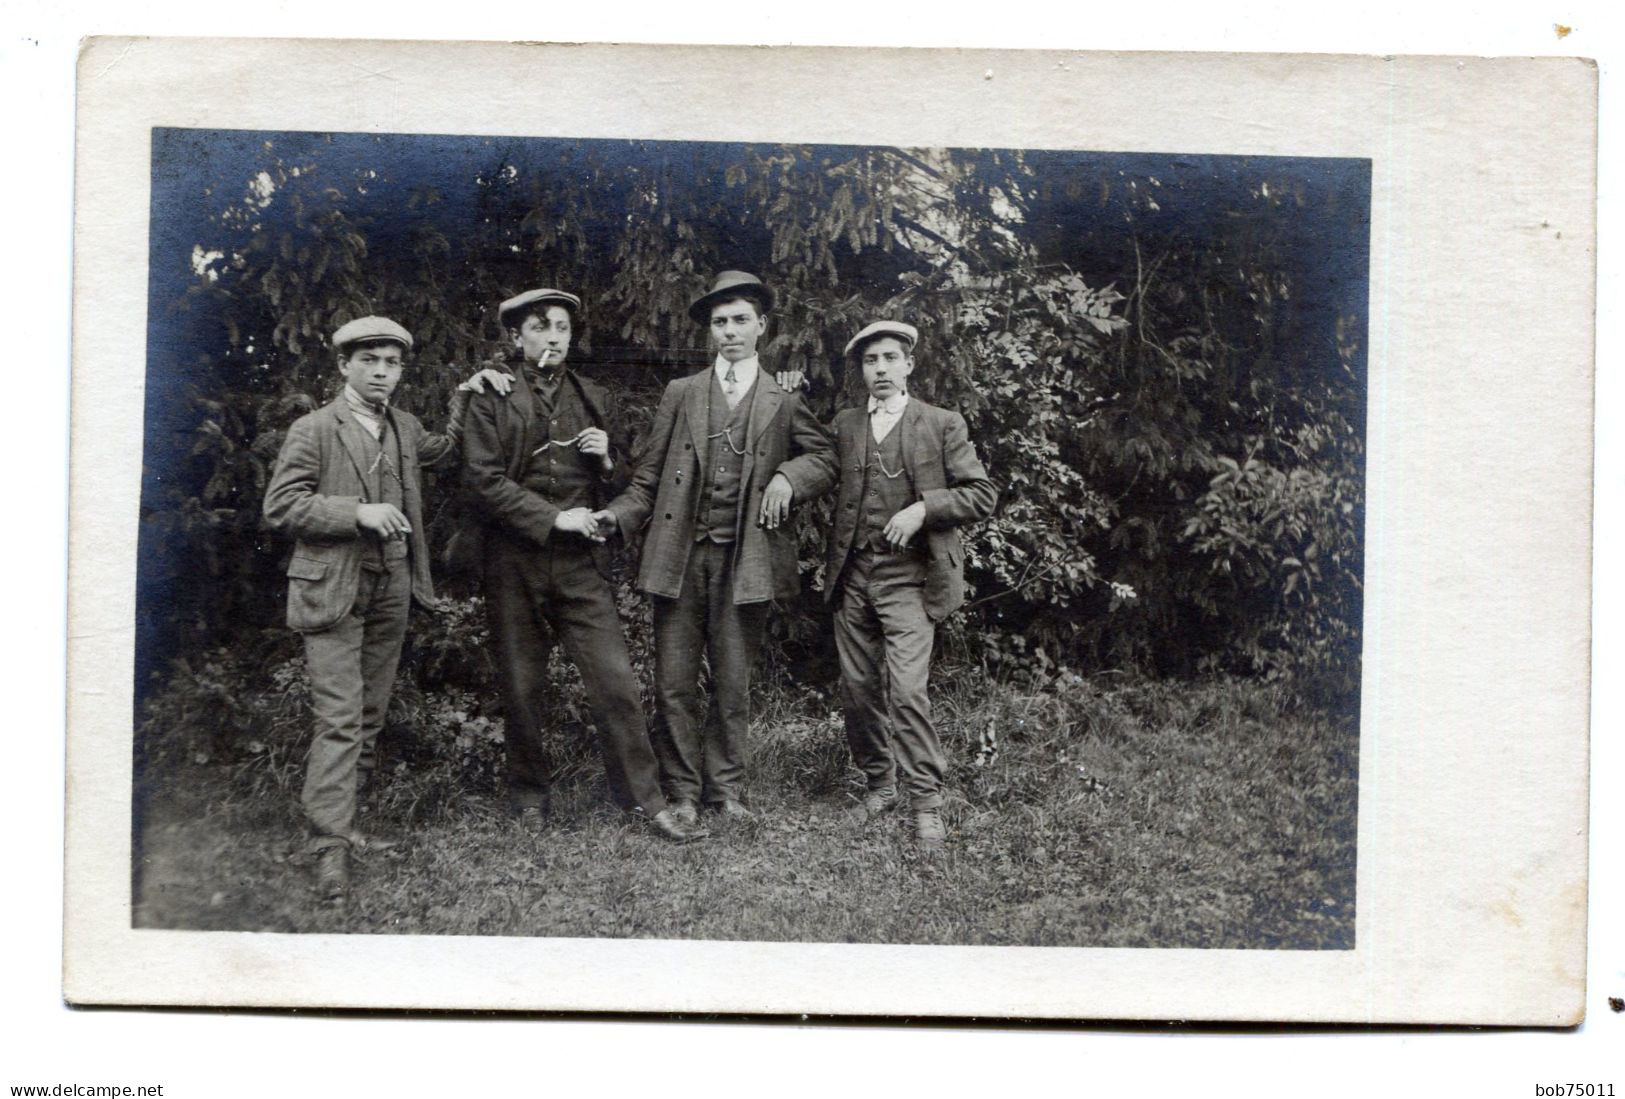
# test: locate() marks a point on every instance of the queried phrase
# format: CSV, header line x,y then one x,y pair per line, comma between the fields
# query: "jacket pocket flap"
x,y
306,568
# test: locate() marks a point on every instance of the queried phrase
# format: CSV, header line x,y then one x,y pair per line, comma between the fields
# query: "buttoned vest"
x,y
560,474
726,429
381,466
883,495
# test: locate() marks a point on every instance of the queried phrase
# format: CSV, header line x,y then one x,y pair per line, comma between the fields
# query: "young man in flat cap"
x,y
909,478
539,461
346,486
728,453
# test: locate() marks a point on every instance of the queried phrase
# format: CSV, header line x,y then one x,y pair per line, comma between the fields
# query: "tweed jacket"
x,y
942,469
668,480
495,459
316,486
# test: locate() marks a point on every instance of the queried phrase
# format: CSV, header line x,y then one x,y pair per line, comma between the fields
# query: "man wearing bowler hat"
x,y
538,462
346,486
729,452
909,478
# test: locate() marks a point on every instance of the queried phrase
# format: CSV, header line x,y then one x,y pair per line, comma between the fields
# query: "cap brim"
x,y
700,311
858,343
531,306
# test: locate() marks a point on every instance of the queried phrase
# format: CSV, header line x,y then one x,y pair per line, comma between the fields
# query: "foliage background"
x,y
1161,359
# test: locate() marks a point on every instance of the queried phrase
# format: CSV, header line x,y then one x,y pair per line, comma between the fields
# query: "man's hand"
x,y
578,521
608,525
904,525
384,520
595,441
496,379
776,502
790,380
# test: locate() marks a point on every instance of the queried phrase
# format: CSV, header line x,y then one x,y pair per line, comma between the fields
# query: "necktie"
x,y
730,386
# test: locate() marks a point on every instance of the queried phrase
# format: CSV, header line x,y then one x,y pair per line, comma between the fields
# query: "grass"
x,y
1154,814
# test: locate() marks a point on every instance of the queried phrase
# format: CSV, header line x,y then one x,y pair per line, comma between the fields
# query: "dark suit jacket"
x,y
942,469
316,486
668,478
495,459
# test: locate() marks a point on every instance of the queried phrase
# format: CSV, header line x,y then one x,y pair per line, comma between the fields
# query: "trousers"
x,y
352,673
883,638
534,595
703,755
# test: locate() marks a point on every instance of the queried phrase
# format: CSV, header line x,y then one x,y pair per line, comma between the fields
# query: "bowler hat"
x,y
727,286
905,332
521,304
371,328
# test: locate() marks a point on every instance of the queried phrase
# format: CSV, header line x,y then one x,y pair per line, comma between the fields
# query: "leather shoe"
x,y
731,809
362,843
333,872
874,803
674,828
929,830
532,818
683,810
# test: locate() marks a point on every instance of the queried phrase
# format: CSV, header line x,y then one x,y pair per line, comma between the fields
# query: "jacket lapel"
x,y
519,408
350,438
909,428
854,437
694,408
589,399
763,408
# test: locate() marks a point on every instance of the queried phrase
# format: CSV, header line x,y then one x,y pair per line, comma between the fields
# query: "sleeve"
x,y
293,506
485,475
812,472
440,448
620,476
970,496
632,507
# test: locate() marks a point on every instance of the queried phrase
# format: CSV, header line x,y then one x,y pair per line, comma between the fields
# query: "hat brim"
x,y
700,311
855,348
364,341
520,312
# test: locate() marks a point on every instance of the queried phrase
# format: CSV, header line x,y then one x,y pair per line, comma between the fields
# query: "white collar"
x,y
891,406
744,370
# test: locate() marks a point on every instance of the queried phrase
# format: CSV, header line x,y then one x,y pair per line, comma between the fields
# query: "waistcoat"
x,y
726,429
560,474
883,496
381,461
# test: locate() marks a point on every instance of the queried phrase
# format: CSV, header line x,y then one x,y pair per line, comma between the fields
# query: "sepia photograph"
x,y
1014,535
555,536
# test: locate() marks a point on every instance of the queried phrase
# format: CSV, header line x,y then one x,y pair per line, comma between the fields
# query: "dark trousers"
x,y
534,594
352,673
883,638
702,757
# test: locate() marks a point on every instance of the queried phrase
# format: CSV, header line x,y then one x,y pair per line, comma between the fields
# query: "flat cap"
x,y
727,286
531,299
905,332
371,328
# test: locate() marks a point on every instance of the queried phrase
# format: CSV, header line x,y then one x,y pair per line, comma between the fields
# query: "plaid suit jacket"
x,y
942,470
317,484
668,479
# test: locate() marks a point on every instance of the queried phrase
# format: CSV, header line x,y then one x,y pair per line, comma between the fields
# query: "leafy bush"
x,y
1115,329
